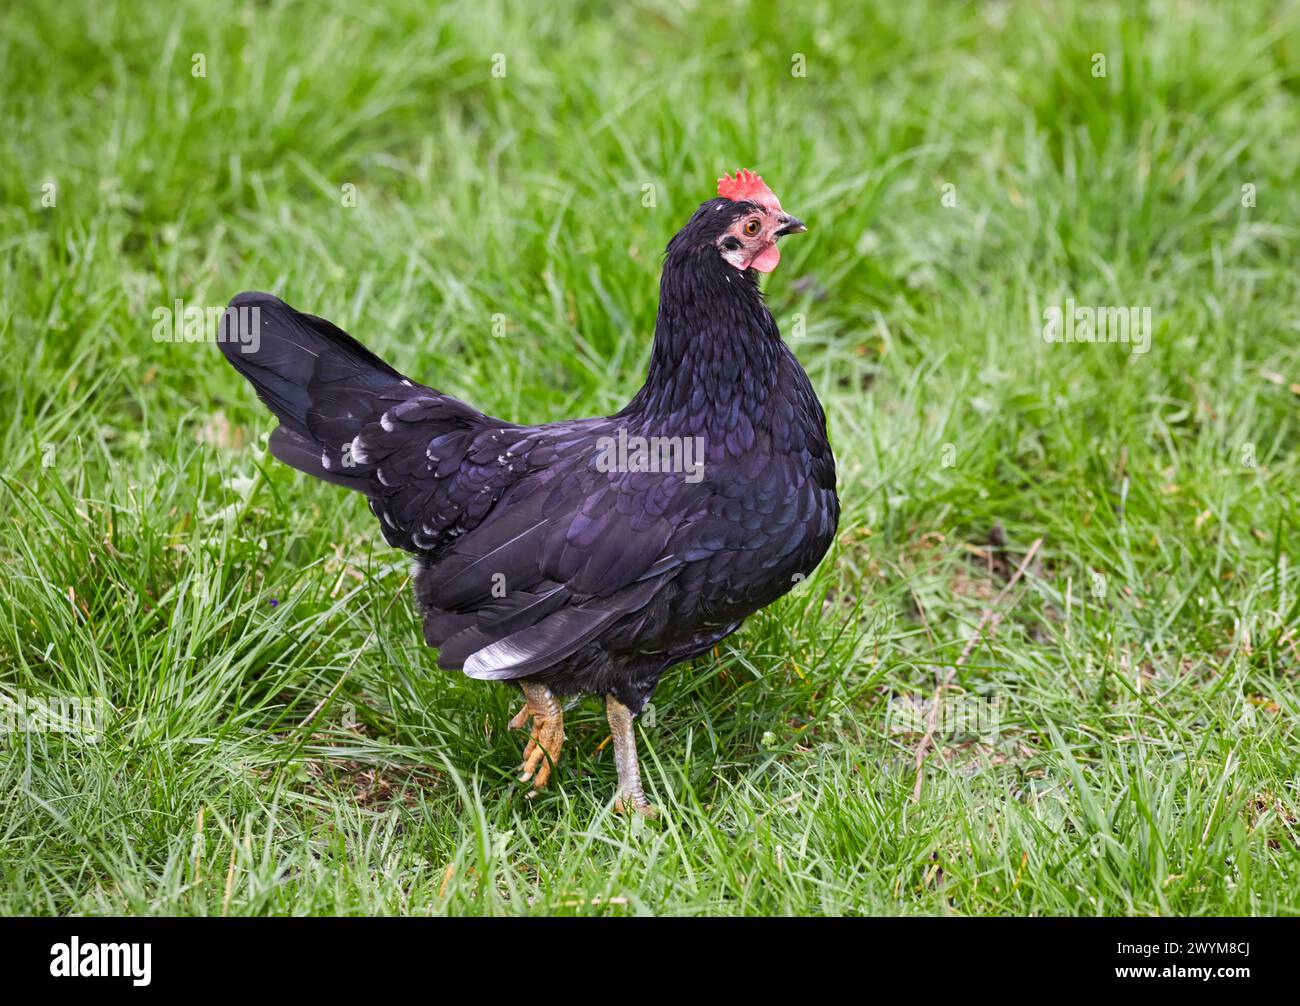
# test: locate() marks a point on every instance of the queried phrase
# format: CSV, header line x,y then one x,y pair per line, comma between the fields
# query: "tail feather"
x,y
321,383
299,452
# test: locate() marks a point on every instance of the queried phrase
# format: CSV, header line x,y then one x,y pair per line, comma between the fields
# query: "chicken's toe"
x,y
546,737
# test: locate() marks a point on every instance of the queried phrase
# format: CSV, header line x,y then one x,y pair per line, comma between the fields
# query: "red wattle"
x,y
767,259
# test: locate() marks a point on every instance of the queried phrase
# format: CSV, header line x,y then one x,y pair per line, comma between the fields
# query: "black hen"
x,y
591,555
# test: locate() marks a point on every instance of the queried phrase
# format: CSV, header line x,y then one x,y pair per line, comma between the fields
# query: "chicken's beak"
x,y
790,225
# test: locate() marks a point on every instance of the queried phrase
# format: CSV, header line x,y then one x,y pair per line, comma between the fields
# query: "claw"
x,y
546,739
645,808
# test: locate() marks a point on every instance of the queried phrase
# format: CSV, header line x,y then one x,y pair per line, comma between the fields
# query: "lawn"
x,y
482,195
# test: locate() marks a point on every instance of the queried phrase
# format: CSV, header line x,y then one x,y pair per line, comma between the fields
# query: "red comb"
x,y
747,187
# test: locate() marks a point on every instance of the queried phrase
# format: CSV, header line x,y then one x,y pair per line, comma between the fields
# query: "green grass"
x,y
1145,755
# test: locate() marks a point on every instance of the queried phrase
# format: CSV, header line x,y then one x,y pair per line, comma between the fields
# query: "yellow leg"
x,y
546,739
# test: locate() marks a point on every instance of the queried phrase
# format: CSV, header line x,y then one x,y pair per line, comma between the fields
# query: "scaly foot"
x,y
631,797
547,736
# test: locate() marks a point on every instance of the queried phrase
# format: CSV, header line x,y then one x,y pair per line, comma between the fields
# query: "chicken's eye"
x,y
751,228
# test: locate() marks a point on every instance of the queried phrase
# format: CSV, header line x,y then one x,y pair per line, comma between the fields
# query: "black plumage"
x,y
532,560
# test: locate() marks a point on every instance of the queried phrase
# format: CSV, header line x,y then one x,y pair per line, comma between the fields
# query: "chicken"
x,y
588,556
